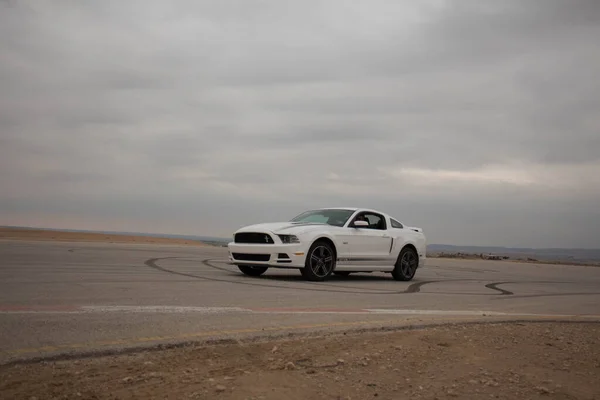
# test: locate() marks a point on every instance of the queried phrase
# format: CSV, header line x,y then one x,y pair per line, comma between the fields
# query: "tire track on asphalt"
x,y
153,263
512,295
416,287
522,296
209,263
494,286
413,288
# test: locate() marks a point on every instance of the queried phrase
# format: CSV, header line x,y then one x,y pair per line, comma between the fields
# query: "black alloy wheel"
x,y
407,264
320,262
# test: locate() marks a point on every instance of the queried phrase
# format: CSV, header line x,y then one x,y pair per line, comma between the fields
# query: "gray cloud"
x,y
199,117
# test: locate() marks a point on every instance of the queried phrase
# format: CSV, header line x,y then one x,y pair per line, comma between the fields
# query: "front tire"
x,y
406,265
252,270
320,262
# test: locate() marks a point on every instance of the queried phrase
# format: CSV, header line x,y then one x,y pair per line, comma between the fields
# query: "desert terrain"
x,y
66,236
501,361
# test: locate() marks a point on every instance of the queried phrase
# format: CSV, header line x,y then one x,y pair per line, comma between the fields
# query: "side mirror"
x,y
361,224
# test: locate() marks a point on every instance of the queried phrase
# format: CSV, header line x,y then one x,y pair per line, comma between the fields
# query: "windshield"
x,y
336,217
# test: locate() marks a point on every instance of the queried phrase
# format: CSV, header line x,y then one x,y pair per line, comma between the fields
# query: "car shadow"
x,y
358,277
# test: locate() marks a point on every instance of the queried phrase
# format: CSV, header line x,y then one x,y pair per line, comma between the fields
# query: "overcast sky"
x,y
478,121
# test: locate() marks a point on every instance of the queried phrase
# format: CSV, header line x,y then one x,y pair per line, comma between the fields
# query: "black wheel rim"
x,y
408,264
321,261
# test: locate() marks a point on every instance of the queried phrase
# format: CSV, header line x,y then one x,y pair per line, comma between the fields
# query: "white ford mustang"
x,y
331,240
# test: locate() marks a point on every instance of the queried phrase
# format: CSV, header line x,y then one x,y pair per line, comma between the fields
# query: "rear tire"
x,y
320,262
253,270
406,265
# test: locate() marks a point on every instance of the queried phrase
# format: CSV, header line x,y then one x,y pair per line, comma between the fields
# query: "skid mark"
x,y
494,286
300,285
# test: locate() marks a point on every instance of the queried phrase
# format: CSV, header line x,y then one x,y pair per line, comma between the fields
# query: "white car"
x,y
331,240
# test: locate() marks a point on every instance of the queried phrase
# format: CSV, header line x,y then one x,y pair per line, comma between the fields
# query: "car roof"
x,y
353,209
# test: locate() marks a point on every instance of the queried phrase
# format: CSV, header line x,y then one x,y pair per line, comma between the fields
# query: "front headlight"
x,y
289,239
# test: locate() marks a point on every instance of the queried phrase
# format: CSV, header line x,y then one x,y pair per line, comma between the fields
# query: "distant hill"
x,y
205,239
543,254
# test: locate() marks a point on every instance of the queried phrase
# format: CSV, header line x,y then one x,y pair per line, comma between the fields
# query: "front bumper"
x,y
269,255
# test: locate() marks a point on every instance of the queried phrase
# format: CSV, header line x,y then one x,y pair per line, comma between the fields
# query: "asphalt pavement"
x,y
68,298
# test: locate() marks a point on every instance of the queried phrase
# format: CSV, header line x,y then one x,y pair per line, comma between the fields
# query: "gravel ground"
x,y
505,360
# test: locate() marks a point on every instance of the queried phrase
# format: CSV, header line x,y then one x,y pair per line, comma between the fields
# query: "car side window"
x,y
376,221
396,224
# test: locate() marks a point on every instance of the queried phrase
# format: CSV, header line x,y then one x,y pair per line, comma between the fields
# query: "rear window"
x,y
396,224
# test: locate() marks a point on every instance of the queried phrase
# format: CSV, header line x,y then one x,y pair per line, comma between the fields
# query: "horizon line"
x,y
225,238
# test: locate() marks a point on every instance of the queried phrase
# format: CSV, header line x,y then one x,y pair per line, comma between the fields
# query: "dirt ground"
x,y
39,234
502,361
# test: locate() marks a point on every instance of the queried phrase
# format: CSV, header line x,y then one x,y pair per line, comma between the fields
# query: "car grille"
x,y
253,237
251,257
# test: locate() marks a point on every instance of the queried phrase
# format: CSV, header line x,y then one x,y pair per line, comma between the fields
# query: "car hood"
x,y
290,228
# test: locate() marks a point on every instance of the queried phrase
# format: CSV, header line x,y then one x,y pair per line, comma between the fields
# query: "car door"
x,y
368,246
